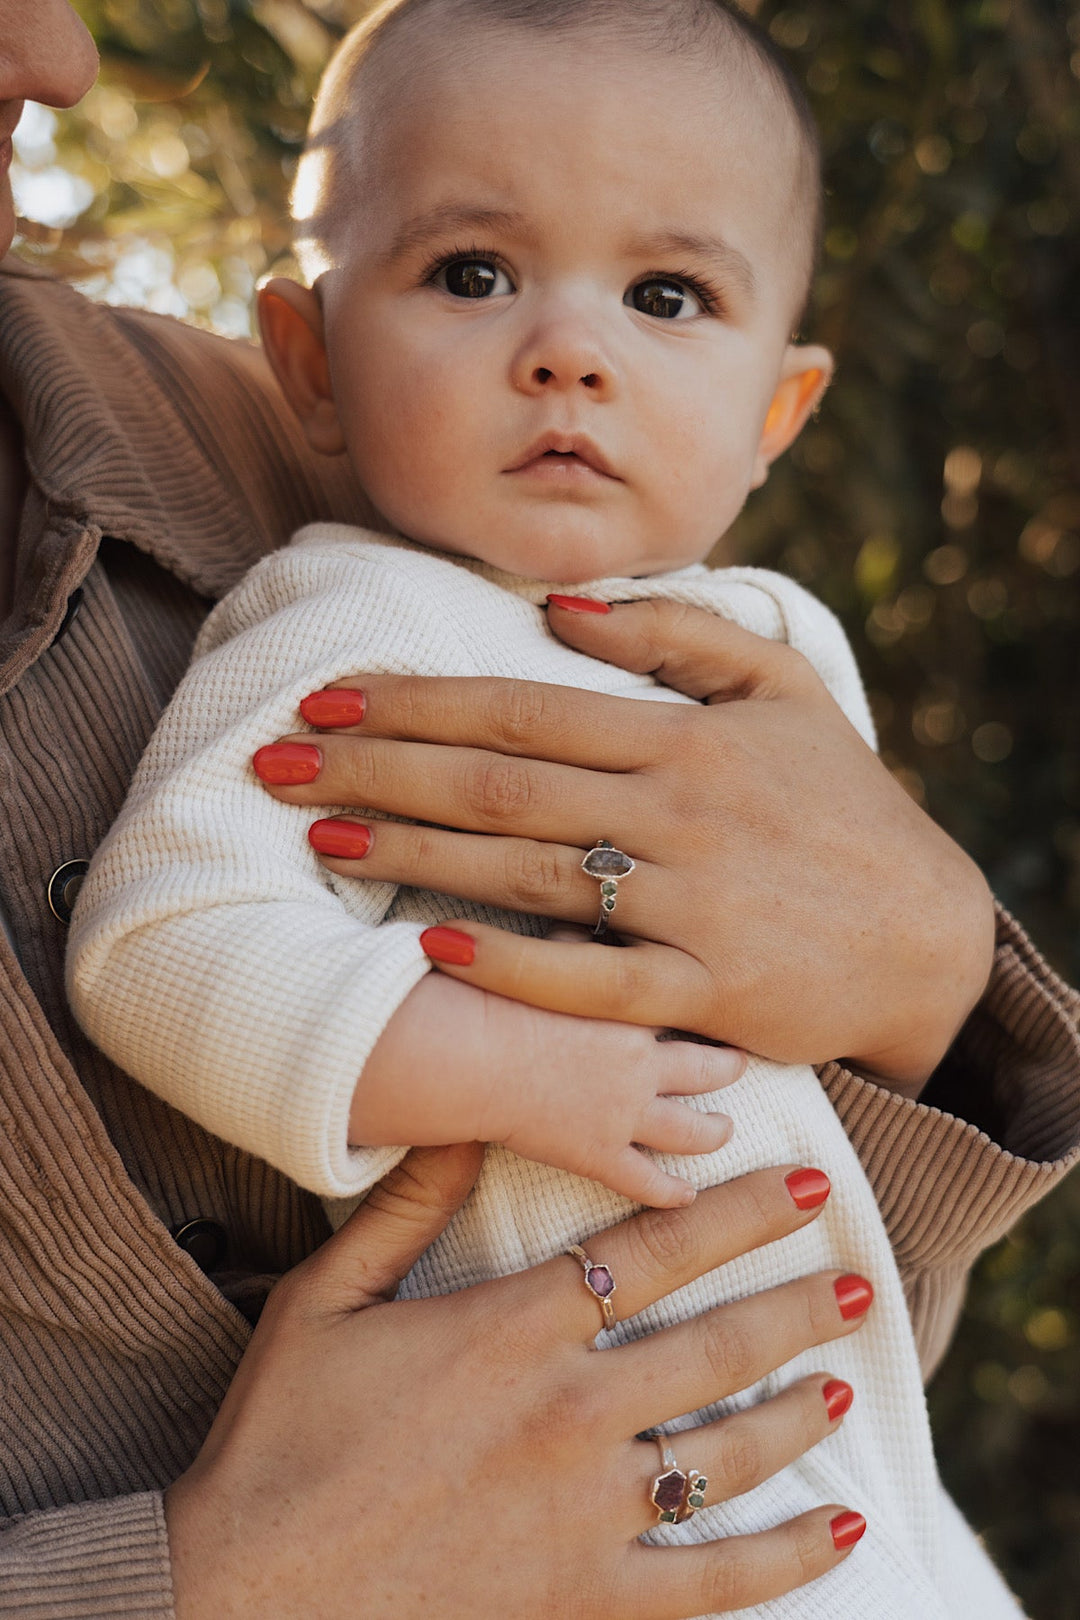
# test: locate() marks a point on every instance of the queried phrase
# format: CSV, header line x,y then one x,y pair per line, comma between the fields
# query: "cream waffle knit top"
x,y
214,959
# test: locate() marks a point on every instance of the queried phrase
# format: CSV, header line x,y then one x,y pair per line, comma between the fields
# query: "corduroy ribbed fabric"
x,y
114,1347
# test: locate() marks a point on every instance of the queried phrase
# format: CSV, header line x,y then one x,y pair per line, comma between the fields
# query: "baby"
x,y
559,250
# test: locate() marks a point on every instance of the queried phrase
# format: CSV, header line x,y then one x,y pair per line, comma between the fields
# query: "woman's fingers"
x,y
732,1346
474,789
740,1452
523,874
695,652
674,1583
529,718
656,1252
639,983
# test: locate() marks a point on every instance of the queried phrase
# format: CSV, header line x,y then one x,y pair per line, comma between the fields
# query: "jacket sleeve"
x,y
211,956
91,1561
997,1127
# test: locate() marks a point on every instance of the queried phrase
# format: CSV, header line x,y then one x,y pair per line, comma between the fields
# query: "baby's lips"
x,y
287,764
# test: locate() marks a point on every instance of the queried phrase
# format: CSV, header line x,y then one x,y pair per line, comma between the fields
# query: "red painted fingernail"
x,y
448,945
847,1529
579,604
347,840
287,764
838,1398
808,1188
334,708
853,1295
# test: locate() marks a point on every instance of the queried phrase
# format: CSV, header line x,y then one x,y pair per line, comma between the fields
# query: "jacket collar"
x,y
141,428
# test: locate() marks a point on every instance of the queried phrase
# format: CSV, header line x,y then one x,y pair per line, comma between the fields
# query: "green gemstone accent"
x,y
667,1518
695,1500
608,902
608,887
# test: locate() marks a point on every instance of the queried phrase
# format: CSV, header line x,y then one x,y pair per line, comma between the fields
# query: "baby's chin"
x,y
566,559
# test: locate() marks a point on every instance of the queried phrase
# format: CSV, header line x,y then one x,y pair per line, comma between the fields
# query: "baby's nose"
x,y
564,354
544,375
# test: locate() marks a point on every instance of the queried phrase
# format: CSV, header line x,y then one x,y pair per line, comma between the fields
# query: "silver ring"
x,y
598,1280
609,866
675,1496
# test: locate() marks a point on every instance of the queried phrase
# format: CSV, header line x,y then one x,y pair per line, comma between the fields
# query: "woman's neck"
x,y
13,480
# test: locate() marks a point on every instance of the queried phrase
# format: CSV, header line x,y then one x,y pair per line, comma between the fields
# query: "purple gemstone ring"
x,y
609,866
599,1282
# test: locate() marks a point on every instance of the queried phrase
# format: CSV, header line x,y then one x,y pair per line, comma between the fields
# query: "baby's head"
x,y
559,249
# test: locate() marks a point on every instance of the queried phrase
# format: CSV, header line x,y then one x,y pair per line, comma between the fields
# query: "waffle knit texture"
x,y
217,962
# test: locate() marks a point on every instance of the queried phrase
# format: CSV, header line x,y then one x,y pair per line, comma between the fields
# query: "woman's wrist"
x,y
942,989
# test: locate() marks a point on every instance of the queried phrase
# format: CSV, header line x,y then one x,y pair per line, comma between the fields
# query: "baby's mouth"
x,y
564,454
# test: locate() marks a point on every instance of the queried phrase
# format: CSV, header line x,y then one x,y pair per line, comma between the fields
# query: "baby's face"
x,y
563,308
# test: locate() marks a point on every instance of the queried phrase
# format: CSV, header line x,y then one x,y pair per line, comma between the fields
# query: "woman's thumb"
x,y
403,1213
684,647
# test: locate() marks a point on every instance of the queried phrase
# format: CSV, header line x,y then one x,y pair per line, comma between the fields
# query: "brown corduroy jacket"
x,y
135,1249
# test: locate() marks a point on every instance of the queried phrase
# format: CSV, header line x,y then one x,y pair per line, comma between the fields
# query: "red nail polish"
x,y
287,764
847,1529
854,1296
334,708
808,1188
448,945
838,1398
579,604
346,840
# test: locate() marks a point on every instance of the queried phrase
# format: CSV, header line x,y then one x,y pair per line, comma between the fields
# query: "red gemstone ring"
x,y
675,1496
609,866
599,1282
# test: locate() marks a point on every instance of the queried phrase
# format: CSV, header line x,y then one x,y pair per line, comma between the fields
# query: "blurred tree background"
x,y
935,503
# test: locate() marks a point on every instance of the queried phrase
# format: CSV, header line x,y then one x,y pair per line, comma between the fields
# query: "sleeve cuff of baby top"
x,y
91,1561
996,1128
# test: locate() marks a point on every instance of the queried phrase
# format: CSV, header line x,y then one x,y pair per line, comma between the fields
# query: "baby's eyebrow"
x,y
451,217
733,265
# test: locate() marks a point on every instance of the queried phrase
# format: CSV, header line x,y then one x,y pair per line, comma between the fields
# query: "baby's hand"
x,y
459,1064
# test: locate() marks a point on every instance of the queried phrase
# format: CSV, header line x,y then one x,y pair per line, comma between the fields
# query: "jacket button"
x,y
63,887
205,1240
71,613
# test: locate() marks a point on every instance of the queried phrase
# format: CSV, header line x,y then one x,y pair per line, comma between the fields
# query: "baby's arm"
x,y
214,960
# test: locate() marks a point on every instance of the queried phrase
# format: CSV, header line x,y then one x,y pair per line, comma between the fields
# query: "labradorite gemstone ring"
x,y
609,866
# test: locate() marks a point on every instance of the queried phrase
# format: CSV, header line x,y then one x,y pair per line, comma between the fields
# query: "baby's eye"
x,y
473,278
664,299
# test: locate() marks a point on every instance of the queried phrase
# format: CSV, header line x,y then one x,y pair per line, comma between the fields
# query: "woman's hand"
x,y
474,1454
789,896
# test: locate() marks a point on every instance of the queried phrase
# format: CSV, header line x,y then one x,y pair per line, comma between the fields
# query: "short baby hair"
x,y
371,62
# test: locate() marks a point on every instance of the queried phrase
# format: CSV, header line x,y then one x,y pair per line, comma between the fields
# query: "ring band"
x,y
598,1280
609,866
675,1496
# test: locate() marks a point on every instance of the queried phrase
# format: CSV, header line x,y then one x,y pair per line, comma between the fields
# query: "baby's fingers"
x,y
672,1127
636,1176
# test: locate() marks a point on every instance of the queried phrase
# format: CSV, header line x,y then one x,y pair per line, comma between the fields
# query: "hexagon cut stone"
x,y
667,1491
600,1280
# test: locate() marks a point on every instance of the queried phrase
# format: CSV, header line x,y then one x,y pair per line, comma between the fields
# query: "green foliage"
x,y
935,503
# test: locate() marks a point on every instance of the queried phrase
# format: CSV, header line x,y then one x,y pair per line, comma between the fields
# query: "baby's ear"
x,y
291,324
804,376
